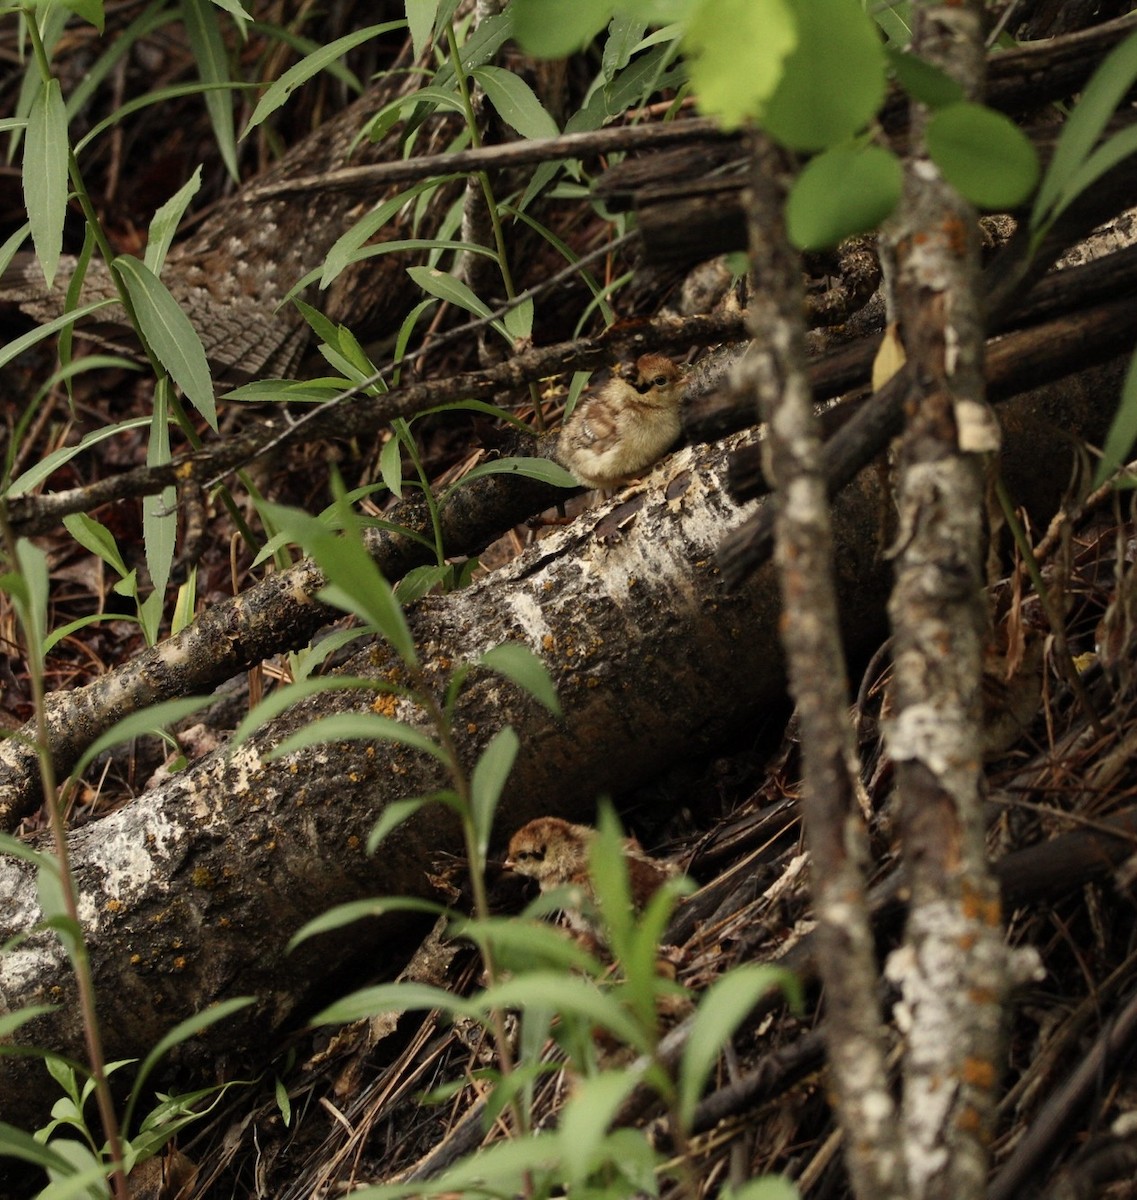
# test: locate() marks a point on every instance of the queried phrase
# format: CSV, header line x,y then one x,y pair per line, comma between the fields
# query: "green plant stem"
x,y
80,960
1053,616
461,782
491,201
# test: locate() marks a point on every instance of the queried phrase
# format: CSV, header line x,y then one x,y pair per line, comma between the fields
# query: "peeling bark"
x,y
855,1036
952,968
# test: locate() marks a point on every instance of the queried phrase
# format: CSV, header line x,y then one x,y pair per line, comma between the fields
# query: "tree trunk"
x,y
190,893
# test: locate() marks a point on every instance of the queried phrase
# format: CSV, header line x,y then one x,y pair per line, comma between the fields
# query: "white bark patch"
x,y
925,733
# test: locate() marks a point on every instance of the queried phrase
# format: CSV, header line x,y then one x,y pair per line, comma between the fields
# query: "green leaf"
x,y
486,785
566,995
521,666
398,811
90,11
543,469
345,727
11,1021
740,50
585,1119
922,81
1104,158
16,347
391,466
1122,430
840,193
31,562
519,321
96,538
833,82
285,697
624,34
208,47
419,580
420,19
159,512
763,1187
454,291
169,334
895,20
515,102
358,910
723,1008
355,582
555,28
524,945
393,997
147,720
280,91
1099,100
45,175
983,154
15,1143
164,223
181,1032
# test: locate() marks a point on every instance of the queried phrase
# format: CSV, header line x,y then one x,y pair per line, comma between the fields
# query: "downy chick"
x,y
630,423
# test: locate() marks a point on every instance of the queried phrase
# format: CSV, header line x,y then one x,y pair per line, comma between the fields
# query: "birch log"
x,y
190,893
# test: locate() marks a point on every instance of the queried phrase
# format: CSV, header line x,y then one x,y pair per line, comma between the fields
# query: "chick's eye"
x,y
659,380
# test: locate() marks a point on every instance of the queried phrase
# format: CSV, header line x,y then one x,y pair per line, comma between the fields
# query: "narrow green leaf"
x,y
285,697
279,92
11,1021
208,47
552,989
983,154
342,727
585,1119
358,910
739,50
555,28
524,945
624,34
516,102
446,287
393,997
543,469
1086,123
399,811
1107,156
721,1011
519,321
1122,434
763,1187
420,19
240,17
169,333
521,666
922,81
487,783
895,20
834,80
15,1143
97,538
164,223
840,193
181,1032
90,11
419,580
45,175
145,721
391,466
160,511
17,346
31,562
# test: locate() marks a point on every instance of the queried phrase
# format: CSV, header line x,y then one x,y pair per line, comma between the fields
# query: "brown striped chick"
x,y
630,423
555,853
